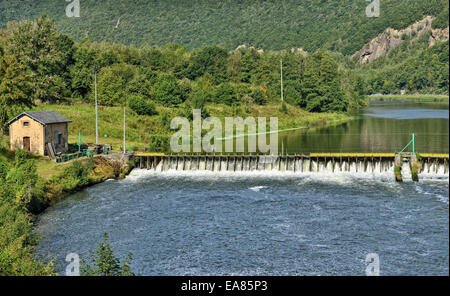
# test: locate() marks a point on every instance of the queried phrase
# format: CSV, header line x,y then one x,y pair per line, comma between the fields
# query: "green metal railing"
x,y
79,154
412,142
70,157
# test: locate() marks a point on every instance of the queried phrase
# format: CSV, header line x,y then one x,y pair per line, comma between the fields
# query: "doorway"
x,y
26,144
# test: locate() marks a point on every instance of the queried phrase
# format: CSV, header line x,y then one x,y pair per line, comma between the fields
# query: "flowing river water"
x,y
274,223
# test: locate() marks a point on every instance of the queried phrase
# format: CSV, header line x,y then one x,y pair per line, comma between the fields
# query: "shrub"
x,y
4,168
283,108
105,263
166,90
142,106
258,96
225,94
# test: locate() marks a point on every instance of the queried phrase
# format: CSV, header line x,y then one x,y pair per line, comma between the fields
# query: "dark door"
x,y
26,144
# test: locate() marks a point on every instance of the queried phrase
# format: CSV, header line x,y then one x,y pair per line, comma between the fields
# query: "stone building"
x,y
42,132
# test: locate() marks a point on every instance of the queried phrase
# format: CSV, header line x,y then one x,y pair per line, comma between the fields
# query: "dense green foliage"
x,y
103,262
20,189
425,70
169,76
336,25
141,106
37,63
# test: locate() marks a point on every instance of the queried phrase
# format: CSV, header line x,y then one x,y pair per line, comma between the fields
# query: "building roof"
x,y
43,117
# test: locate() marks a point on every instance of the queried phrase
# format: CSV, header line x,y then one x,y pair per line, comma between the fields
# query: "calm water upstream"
x,y
383,127
272,223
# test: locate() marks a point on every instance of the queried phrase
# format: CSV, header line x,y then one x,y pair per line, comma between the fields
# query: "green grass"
x,y
45,166
411,98
142,130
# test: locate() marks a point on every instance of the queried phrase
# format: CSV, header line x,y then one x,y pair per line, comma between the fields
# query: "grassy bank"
x,y
411,98
152,133
28,185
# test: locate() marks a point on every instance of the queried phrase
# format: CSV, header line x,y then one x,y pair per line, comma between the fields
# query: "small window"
x,y
26,123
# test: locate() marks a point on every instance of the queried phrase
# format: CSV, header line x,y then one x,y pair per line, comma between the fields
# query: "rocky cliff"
x,y
391,38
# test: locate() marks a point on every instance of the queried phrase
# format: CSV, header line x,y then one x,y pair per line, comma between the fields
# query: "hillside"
x,y
336,25
416,65
390,39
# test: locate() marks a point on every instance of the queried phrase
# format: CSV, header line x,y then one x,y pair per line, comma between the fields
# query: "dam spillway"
x,y
431,164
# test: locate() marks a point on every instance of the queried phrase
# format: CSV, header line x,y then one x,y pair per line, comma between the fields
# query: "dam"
x,y
431,164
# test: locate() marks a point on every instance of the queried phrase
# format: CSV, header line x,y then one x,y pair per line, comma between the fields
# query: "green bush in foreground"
x,y
17,243
103,262
19,193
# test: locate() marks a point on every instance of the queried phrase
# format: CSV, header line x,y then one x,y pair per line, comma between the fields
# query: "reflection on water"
x,y
383,127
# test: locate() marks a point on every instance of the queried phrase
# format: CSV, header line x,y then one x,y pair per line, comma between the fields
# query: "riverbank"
x,y
25,193
85,173
62,179
411,98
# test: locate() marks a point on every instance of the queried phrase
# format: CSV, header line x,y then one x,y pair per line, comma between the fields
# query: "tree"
x,y
112,84
46,54
15,89
250,62
141,84
209,60
225,94
81,72
321,86
166,90
103,262
141,106
152,58
258,96
234,64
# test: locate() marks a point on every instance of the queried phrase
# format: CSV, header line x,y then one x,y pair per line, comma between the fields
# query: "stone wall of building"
x,y
51,136
27,127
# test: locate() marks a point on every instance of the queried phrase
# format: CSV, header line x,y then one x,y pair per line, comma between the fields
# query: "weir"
x,y
313,163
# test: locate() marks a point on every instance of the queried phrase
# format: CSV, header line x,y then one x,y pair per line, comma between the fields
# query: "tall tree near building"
x,y
45,53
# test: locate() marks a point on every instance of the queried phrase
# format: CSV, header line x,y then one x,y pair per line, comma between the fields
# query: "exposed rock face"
x,y
391,38
438,34
244,46
299,50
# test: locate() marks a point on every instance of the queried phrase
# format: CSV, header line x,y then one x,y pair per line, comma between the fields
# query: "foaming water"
x,y
290,166
257,223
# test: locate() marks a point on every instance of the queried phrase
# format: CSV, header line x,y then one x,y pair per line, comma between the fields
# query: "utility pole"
x,y
282,94
124,131
96,106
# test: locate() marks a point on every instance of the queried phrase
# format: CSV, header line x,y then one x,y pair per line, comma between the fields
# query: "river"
x,y
274,223
383,127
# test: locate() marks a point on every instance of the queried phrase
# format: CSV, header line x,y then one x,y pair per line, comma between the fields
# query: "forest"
x,y
336,25
40,65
